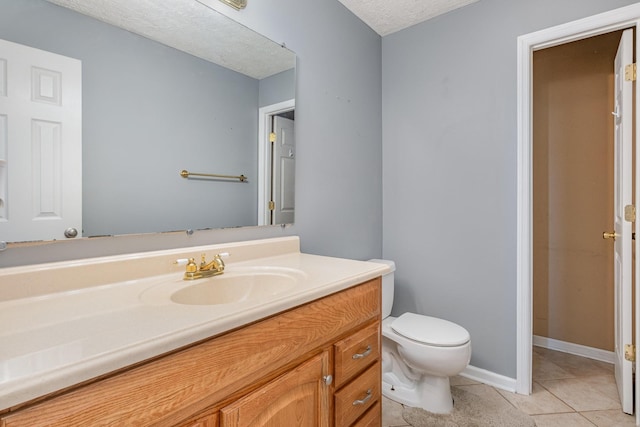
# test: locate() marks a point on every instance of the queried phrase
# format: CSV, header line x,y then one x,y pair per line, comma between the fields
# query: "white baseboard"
x,y
509,384
489,378
577,349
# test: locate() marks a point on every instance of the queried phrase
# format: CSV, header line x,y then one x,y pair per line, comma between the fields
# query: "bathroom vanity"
x,y
309,352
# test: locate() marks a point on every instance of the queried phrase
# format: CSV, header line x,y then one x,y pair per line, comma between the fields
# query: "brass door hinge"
x,y
630,352
272,205
630,213
272,137
630,73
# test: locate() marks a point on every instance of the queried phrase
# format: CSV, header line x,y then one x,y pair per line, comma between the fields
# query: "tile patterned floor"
x,y
568,391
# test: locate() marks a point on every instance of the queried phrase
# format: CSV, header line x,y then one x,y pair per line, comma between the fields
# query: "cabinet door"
x,y
298,398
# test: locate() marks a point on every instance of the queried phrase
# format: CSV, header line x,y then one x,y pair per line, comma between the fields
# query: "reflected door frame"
x,y
264,155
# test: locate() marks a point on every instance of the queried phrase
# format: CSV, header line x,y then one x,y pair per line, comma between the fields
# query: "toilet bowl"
x,y
419,354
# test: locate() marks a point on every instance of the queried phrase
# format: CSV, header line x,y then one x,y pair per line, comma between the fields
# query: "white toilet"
x,y
419,354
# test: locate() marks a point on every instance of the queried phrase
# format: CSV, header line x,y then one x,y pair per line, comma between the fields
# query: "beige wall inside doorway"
x,y
573,192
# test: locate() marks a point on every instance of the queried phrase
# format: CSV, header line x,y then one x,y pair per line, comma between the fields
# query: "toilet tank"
x,y
387,287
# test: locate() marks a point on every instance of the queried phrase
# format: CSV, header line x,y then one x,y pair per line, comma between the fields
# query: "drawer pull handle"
x,y
361,355
365,400
328,379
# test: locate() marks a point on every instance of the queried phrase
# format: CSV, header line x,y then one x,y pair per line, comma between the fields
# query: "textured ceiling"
x,y
193,28
389,16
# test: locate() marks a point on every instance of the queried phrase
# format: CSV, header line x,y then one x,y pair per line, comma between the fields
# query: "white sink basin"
x,y
233,288
236,285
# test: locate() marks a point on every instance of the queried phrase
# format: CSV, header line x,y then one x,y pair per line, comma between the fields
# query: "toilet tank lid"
x,y
430,330
390,263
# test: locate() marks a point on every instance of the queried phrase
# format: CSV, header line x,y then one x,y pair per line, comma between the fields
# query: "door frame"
x,y
264,153
617,19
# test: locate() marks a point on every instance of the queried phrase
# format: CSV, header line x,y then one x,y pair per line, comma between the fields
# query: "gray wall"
x,y
277,88
338,125
338,122
149,111
449,149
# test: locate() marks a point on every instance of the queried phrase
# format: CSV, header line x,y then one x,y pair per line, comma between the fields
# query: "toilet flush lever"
x,y
366,352
611,235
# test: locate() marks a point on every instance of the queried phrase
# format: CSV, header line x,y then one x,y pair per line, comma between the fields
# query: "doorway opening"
x,y
573,137
626,17
573,198
276,163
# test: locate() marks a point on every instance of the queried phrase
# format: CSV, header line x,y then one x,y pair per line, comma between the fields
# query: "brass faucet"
x,y
205,269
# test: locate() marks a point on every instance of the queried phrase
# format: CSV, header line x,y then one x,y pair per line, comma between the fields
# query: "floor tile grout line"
x,y
575,409
587,419
499,394
558,397
573,377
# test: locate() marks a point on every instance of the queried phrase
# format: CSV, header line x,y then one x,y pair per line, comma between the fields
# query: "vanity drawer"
x,y
372,418
355,353
354,399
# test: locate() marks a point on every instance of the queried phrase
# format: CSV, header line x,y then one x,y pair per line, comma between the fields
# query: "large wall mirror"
x,y
153,88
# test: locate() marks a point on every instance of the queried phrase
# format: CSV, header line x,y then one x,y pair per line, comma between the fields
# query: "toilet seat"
x,y
430,330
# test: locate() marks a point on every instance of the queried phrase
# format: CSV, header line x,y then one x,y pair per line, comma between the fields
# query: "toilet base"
x,y
430,393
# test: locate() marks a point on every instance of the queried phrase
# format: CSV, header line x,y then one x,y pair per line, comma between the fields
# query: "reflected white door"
x,y
40,144
623,111
283,169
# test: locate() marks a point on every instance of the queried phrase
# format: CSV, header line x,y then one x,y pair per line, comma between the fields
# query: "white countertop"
x,y
50,341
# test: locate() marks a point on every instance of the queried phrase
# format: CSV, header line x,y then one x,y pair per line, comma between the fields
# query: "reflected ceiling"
x,y
184,25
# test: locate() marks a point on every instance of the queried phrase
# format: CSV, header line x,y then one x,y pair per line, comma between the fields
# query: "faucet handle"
x,y
191,266
218,259
216,263
189,262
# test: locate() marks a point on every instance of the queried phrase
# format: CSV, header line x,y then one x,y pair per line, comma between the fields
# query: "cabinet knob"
x,y
328,379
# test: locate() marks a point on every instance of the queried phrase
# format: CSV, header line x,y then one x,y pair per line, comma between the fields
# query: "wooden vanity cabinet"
x,y
309,366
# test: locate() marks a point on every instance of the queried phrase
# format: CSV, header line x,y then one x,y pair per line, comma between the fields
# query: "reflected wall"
x,y
150,111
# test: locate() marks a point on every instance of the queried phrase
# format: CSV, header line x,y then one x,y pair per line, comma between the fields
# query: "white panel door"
x,y
283,169
623,117
40,144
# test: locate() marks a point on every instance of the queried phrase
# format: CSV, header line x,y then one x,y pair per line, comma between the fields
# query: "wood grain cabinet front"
x,y
354,399
358,377
203,421
298,398
274,372
356,352
372,418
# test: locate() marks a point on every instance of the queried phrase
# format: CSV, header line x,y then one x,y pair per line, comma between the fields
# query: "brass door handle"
x,y
611,235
